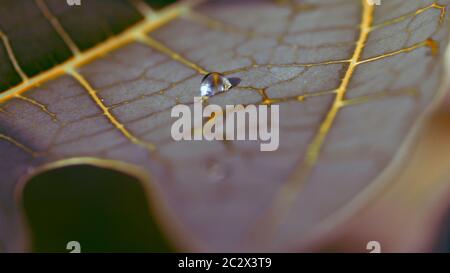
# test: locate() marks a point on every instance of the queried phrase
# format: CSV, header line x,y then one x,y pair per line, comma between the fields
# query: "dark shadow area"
x,y
234,81
102,209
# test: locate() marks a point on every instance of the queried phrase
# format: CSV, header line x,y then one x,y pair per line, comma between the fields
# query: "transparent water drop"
x,y
214,83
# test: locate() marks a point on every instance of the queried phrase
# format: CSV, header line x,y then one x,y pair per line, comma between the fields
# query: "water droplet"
x,y
214,83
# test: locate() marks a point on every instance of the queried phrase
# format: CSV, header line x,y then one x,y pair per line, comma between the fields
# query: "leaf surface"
x,y
352,81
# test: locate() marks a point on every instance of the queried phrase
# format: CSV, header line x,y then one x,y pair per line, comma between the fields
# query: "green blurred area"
x,y
157,4
37,45
104,210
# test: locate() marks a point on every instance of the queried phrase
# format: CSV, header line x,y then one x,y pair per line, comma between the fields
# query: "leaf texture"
x,y
352,80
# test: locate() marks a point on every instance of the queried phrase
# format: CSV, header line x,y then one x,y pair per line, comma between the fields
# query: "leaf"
x,y
353,82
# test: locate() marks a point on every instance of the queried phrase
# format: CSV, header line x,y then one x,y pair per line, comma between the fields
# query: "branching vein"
x,y
12,57
289,191
58,27
117,124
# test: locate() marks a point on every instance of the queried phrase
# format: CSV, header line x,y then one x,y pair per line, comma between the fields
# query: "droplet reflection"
x,y
214,83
